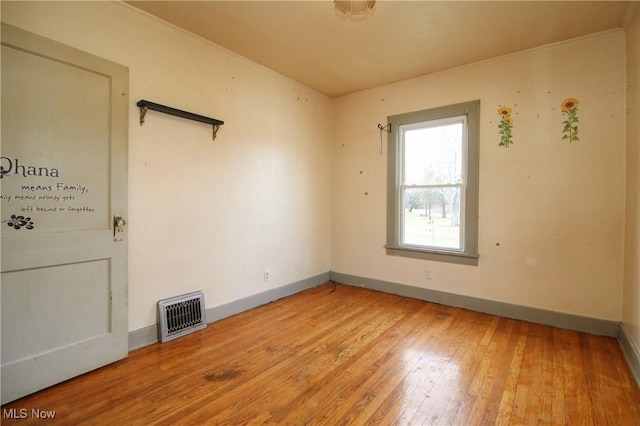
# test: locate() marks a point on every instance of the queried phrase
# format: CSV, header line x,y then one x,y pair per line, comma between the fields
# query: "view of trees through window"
x,y
433,183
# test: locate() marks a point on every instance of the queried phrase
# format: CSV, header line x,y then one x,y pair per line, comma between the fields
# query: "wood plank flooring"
x,y
340,355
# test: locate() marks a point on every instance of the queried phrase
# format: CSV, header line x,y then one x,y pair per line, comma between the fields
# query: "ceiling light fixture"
x,y
355,7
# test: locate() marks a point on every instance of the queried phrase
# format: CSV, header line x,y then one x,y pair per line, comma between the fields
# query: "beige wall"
x,y
631,292
203,214
551,228
272,190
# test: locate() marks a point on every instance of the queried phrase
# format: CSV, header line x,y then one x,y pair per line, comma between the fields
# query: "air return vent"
x,y
181,315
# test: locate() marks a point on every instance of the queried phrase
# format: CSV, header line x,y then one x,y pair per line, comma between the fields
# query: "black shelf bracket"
x,y
147,105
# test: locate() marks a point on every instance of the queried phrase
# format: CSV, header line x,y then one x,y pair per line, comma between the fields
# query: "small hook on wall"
x,y
382,128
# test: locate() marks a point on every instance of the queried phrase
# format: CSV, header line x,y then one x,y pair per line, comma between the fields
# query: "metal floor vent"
x,y
181,315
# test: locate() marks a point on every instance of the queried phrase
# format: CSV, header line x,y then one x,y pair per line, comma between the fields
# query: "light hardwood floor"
x,y
338,355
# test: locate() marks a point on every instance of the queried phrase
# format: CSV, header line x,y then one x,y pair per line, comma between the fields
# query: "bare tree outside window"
x,y
433,179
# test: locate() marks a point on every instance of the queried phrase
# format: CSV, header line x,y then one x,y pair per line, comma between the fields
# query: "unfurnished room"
x,y
320,212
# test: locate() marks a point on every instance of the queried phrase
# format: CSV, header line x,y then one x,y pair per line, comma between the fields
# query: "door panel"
x,y
68,117
63,179
27,297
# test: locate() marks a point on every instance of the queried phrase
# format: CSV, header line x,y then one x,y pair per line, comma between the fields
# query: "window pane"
x,y
433,155
433,184
431,217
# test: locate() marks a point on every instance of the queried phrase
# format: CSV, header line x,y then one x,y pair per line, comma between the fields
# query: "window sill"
x,y
437,255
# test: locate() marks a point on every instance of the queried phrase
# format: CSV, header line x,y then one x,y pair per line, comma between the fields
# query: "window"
x,y
433,184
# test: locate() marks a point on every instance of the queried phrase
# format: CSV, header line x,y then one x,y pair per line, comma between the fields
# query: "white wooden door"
x,y
63,180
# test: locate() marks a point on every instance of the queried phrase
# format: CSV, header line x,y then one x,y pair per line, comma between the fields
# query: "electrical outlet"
x,y
427,274
267,275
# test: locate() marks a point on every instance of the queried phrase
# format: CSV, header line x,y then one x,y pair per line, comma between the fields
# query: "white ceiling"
x,y
313,44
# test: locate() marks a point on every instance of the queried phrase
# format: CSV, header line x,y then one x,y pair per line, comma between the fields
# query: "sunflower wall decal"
x,y
570,109
505,126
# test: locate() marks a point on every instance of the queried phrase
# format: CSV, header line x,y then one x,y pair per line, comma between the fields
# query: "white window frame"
x,y
468,253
